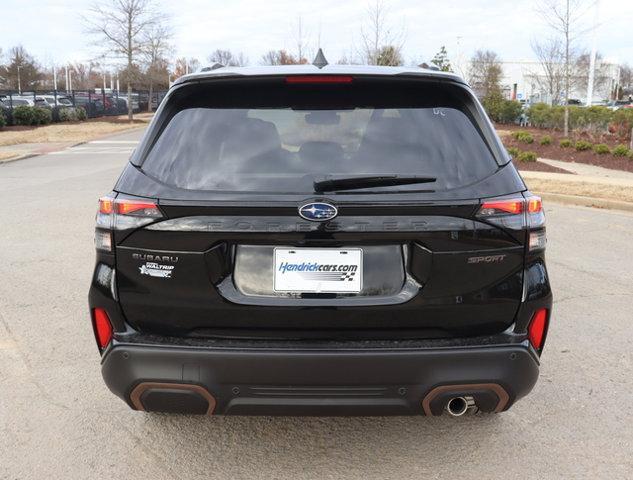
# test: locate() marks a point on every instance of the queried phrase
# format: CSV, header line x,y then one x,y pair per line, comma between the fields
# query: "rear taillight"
x,y
538,328
122,214
102,327
516,213
503,207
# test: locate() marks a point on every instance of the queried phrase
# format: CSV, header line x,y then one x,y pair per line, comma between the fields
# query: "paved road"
x,y
58,420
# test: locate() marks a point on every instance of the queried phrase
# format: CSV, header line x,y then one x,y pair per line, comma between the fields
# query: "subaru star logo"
x,y
318,211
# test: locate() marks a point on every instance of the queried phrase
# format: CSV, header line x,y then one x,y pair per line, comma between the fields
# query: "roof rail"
x,y
215,66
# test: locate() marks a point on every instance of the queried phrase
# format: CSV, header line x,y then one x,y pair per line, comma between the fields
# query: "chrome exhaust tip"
x,y
458,406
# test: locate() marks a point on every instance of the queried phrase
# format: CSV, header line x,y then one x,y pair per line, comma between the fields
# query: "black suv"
x,y
334,241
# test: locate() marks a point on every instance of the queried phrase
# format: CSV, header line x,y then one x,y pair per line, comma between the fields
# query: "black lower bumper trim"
x,y
321,382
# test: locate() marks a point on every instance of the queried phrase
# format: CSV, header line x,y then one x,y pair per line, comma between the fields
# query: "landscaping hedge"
x,y
593,119
501,110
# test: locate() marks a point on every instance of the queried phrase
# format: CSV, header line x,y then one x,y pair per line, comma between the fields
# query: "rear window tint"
x,y
286,141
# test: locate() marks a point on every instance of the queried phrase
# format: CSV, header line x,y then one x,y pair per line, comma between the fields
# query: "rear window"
x,y
283,138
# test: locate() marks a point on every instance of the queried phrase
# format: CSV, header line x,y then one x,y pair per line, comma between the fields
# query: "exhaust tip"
x,y
458,406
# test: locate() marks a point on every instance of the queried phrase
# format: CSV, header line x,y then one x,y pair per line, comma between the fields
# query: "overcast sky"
x,y
52,30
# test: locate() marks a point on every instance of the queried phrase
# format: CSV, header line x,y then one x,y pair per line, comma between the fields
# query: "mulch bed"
x,y
538,167
555,152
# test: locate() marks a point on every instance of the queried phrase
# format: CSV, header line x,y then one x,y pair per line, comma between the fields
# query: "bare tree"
x,y
121,27
300,40
228,58
485,73
156,50
551,57
279,57
563,17
390,56
580,75
185,65
22,72
376,36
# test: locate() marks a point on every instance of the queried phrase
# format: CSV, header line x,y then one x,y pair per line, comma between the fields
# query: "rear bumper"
x,y
381,381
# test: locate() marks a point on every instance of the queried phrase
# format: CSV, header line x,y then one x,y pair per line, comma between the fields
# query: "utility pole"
x,y
592,60
67,84
19,85
54,78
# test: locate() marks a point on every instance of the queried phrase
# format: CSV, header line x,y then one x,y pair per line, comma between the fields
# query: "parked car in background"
x,y
135,101
59,101
37,101
92,104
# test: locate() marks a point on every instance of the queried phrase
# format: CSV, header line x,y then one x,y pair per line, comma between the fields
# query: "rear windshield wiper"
x,y
351,183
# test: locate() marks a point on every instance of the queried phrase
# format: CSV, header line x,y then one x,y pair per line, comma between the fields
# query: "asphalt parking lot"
x,y
58,420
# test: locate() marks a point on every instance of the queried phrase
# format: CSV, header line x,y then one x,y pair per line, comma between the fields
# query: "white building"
x,y
526,81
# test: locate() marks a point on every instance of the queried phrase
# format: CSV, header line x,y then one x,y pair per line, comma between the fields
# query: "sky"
x,y
54,32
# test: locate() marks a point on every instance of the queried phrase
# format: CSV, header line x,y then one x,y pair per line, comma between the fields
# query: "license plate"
x,y
318,270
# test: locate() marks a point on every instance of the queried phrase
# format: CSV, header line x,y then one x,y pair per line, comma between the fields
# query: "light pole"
x,y
19,86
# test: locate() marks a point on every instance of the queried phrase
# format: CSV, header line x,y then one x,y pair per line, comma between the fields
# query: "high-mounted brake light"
x,y
102,327
537,328
319,79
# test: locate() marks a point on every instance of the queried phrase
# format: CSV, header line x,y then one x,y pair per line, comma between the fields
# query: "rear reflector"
x,y
537,328
319,79
102,327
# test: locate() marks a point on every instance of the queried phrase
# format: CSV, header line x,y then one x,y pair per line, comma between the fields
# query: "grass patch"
x,y
67,132
608,192
7,155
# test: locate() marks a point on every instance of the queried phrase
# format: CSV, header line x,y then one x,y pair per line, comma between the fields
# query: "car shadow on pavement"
x,y
318,446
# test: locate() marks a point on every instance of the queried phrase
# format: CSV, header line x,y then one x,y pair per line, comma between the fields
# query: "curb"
x,y
582,201
19,157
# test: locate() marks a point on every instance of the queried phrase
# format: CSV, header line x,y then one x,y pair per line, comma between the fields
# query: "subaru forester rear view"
x,y
320,241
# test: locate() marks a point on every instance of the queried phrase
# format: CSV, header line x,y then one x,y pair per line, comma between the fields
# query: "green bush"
x,y
81,114
501,110
525,137
68,115
595,119
23,115
514,152
510,111
42,116
601,149
582,145
630,154
3,121
527,157
621,151
546,140
565,142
